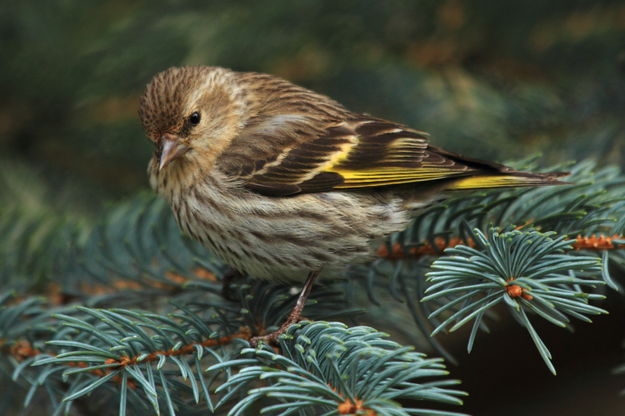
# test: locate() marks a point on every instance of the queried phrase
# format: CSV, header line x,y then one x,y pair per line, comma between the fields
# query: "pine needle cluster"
x,y
128,316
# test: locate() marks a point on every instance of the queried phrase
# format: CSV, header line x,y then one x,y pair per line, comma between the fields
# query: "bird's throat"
x,y
181,174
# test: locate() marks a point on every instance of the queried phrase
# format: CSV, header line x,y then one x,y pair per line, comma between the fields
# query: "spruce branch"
x,y
589,214
135,258
592,204
159,358
528,271
328,368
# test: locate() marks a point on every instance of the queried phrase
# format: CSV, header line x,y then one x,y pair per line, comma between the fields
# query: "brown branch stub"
x,y
101,372
352,408
174,281
440,244
244,333
347,407
515,291
596,242
593,242
57,296
203,273
528,222
22,349
199,272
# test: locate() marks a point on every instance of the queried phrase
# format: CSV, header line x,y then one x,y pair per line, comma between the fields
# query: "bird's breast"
x,y
283,238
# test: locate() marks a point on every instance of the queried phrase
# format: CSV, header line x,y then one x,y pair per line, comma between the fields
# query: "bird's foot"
x,y
271,339
294,316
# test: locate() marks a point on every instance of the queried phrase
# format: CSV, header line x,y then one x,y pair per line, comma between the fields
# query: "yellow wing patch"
x,y
501,181
402,160
389,176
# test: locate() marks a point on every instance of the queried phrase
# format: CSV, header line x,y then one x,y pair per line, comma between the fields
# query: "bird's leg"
x,y
293,317
226,289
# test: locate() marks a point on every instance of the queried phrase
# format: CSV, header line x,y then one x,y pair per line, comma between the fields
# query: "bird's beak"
x,y
171,149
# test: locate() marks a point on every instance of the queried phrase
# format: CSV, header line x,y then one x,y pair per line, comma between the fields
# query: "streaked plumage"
x,y
286,184
280,181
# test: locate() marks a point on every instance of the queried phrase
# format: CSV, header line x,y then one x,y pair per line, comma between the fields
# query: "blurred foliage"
x,y
490,79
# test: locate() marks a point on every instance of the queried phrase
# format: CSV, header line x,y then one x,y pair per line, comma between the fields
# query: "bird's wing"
x,y
352,154
363,153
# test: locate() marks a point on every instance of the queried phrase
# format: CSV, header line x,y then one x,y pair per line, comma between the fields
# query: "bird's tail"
x,y
508,180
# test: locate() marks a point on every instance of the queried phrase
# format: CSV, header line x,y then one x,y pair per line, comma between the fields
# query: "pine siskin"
x,y
285,184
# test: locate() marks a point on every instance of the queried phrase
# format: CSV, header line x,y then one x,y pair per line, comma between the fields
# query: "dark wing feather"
x,y
366,152
355,154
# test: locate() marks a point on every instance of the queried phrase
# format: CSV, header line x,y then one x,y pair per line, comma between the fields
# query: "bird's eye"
x,y
194,118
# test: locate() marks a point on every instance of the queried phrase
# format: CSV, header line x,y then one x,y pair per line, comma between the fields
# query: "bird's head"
x,y
191,114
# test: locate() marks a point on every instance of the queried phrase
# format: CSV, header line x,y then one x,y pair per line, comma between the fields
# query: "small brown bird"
x,y
285,184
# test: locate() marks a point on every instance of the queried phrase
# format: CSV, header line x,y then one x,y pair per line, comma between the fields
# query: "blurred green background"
x,y
492,79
